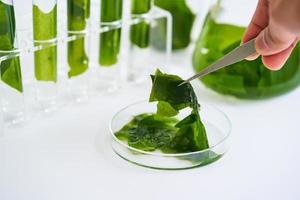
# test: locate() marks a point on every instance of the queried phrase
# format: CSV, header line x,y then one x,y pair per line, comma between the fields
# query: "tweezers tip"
x,y
184,82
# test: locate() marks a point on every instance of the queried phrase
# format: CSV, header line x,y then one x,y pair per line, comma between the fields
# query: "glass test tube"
x,y
78,60
45,57
10,67
107,74
140,32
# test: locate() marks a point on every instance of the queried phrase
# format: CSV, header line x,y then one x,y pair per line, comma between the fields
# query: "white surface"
x,y
67,155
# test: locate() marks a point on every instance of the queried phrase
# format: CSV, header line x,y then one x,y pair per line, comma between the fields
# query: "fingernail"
x,y
252,57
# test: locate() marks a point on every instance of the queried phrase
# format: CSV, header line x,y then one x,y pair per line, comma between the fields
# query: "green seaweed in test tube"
x,y
111,13
78,13
11,68
183,20
45,32
140,32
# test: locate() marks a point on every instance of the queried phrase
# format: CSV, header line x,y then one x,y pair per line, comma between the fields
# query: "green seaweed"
x,y
45,32
183,20
77,57
109,47
111,12
10,68
148,132
78,13
246,79
140,32
161,130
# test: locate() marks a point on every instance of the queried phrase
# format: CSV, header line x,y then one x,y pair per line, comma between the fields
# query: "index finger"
x,y
259,22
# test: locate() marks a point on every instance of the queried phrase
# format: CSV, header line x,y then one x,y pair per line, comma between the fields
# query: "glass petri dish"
x,y
218,129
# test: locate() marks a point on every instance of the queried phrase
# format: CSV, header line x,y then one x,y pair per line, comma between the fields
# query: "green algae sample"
x,y
162,130
111,12
140,32
11,68
183,20
78,13
45,32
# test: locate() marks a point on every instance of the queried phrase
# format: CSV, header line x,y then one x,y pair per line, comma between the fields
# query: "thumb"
x,y
272,40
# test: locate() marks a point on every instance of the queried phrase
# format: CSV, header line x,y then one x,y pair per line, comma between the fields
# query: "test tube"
x,y
111,14
106,75
78,61
78,14
10,67
45,56
145,19
183,18
140,32
139,37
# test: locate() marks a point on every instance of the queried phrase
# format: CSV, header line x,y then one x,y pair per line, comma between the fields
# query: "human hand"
x,y
276,26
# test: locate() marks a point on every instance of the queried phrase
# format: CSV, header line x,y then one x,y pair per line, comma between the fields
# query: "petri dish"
x,y
217,124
